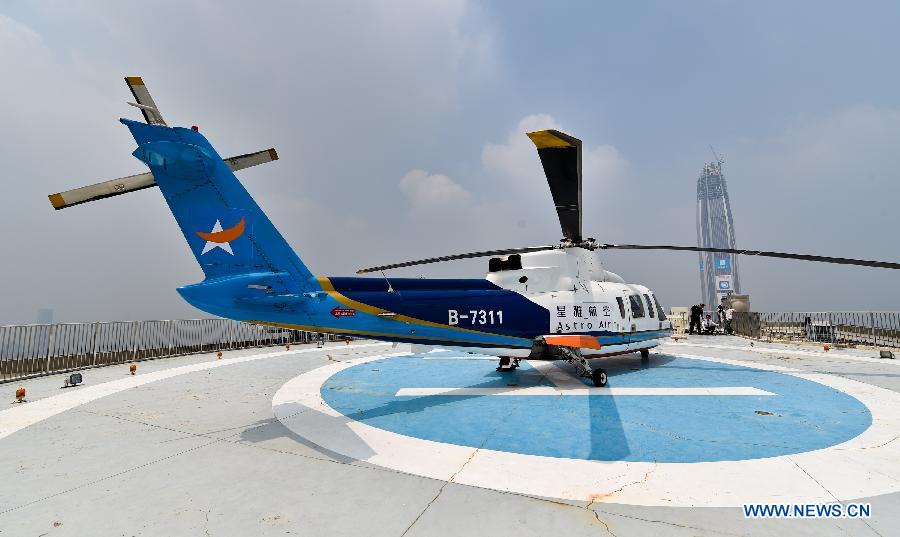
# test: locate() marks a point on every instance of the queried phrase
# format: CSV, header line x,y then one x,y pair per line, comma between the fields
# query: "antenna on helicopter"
x,y
390,287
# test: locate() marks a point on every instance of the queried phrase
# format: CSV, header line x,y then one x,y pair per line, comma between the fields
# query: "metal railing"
x,y
876,328
43,349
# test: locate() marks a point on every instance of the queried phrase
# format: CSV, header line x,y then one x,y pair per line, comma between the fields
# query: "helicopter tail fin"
x,y
225,229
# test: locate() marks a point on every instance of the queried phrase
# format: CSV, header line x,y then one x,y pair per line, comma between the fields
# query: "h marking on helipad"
x,y
565,384
541,390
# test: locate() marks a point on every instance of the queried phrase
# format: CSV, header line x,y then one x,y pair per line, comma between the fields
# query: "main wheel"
x,y
645,353
599,378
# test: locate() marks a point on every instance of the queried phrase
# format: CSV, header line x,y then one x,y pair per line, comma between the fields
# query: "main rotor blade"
x,y
454,257
782,255
561,158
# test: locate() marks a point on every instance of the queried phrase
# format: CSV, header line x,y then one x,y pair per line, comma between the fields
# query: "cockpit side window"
x,y
649,306
662,313
621,306
637,307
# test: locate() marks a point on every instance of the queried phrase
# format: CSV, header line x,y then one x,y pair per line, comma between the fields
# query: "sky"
x,y
400,127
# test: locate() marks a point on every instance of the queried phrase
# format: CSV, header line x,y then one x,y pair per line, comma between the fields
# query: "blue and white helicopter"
x,y
542,302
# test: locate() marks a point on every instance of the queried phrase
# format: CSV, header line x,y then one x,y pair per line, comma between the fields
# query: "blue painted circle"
x,y
804,415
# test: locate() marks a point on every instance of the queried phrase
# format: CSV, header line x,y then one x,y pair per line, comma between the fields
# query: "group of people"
x,y
706,325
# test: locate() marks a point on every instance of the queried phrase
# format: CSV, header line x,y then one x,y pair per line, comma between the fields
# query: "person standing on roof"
x,y
696,315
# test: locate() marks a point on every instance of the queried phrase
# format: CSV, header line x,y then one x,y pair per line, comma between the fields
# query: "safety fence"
x,y
42,349
876,328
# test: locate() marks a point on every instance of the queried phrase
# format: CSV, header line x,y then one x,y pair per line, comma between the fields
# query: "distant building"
x,y
45,316
715,229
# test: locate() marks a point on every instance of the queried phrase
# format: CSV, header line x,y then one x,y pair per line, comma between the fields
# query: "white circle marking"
x,y
860,467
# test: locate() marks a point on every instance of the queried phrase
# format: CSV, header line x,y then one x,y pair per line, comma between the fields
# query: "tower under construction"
x,y
715,229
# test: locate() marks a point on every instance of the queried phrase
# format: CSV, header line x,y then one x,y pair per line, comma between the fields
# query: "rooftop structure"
x,y
715,229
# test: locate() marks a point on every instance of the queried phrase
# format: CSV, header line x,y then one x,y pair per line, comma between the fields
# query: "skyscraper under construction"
x,y
715,229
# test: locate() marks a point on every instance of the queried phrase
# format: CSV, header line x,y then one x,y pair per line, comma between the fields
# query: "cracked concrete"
x,y
609,495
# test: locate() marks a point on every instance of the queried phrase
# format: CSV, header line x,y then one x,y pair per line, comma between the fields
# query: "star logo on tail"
x,y
221,238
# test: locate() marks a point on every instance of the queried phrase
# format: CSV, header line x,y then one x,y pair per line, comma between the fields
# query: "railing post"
x,y
872,325
171,336
94,344
51,341
134,340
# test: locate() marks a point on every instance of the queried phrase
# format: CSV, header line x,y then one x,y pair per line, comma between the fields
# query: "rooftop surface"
x,y
371,439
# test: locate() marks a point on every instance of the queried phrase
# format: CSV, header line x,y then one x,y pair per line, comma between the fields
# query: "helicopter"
x,y
548,302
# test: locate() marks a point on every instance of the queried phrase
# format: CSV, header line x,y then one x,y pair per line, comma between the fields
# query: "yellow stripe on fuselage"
x,y
340,298
335,330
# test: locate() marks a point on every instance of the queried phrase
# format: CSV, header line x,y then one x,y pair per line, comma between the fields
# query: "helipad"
x,y
330,441
675,409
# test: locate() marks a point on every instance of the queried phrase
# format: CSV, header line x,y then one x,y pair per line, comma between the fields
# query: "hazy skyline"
x,y
400,127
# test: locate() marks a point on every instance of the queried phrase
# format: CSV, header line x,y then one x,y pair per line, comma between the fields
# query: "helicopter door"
x,y
635,305
625,313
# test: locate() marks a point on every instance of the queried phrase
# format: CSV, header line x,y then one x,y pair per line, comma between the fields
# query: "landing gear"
x,y
645,357
582,367
508,364
574,357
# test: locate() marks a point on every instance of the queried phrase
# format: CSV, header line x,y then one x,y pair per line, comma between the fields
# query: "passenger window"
x,y
621,306
662,313
637,307
649,306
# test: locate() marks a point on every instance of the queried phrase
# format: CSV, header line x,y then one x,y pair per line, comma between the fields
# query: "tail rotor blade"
x,y
132,183
144,100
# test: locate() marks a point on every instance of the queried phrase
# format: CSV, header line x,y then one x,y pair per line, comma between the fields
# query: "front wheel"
x,y
599,378
645,353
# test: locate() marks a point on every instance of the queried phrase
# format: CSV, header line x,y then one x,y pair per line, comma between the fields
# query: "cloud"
x,y
427,191
851,145
514,160
517,158
384,75
355,95
826,185
14,33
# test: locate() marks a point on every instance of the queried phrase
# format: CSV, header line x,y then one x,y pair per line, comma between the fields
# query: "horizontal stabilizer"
x,y
132,183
